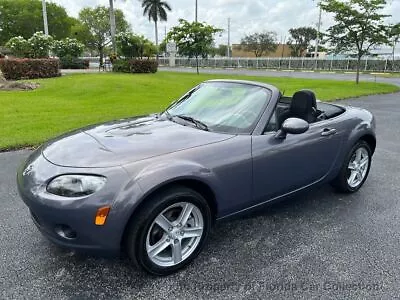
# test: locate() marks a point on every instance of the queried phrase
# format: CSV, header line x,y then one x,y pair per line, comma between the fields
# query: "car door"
x,y
284,166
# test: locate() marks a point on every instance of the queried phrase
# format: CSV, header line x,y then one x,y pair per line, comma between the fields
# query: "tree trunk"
x,y
358,69
101,55
197,64
113,27
156,30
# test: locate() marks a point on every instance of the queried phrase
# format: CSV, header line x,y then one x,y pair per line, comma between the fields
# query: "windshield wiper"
x,y
169,117
199,124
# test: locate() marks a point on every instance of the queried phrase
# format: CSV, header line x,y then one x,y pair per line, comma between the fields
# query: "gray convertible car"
x,y
154,185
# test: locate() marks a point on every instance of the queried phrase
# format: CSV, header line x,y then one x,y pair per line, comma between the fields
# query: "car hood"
x,y
124,141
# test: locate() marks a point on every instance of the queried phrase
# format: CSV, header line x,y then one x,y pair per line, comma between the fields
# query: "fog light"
x,y
101,215
65,232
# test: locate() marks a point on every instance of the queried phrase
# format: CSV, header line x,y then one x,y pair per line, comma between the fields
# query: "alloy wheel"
x,y
174,234
358,167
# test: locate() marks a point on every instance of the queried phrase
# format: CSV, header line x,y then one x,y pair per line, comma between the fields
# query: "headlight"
x,y
75,185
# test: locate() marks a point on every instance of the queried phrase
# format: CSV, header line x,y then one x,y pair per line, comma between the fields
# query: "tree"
x,y
300,40
193,39
259,43
359,26
222,50
311,50
394,35
131,45
95,30
163,46
24,18
156,10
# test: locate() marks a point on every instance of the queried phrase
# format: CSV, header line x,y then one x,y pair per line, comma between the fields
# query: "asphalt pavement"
x,y
318,245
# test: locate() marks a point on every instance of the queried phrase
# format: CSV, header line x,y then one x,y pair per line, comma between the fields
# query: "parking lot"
x,y
320,244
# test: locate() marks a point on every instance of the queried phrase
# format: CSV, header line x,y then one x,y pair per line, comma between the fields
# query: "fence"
x,y
331,64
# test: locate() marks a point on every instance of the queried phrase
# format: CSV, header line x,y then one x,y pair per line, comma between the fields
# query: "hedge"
x,y
27,68
73,63
135,66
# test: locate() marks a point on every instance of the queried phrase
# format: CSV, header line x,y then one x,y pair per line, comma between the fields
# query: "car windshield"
x,y
222,107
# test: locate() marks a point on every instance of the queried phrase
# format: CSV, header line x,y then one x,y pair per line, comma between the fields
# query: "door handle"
x,y
328,132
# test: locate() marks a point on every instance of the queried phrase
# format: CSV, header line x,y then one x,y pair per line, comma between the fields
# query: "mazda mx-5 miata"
x,y
154,185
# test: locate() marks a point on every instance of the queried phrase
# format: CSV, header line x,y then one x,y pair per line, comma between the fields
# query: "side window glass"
x,y
272,124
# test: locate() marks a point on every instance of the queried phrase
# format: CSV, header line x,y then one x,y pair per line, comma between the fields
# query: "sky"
x,y
246,16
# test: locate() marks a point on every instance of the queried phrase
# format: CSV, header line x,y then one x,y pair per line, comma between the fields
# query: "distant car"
x,y
154,185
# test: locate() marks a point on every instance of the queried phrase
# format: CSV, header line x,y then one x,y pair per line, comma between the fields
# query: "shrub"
x,y
121,66
38,46
135,66
19,46
68,47
15,69
68,62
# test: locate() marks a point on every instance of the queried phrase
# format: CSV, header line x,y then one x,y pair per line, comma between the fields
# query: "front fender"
x,y
159,174
156,175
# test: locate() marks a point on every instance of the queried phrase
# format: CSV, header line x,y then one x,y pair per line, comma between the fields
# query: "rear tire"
x,y
355,169
169,231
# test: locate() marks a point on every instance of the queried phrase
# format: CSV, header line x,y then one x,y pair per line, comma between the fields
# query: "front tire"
x,y
169,231
355,169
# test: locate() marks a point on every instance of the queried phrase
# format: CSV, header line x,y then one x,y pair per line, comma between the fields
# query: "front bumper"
x,y
51,213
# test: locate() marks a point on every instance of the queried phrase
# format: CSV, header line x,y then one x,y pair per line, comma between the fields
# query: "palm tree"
x,y
156,10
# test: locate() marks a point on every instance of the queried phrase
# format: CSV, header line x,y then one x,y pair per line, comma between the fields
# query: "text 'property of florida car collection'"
x,y
154,185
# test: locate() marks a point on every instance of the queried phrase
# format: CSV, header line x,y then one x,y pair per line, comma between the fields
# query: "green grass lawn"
x,y
69,102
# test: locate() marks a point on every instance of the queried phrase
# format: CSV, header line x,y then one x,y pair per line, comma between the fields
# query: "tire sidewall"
x,y
162,202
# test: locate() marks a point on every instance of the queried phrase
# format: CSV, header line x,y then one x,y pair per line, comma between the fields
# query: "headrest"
x,y
304,101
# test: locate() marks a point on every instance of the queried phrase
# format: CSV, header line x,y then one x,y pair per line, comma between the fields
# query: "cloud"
x,y
246,16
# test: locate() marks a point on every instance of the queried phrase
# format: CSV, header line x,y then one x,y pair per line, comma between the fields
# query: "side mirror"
x,y
292,126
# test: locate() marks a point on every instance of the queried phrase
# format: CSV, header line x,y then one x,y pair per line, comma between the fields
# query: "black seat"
x,y
303,106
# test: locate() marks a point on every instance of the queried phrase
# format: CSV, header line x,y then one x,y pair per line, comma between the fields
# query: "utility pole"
x,y
46,25
318,31
196,12
229,37
197,57
113,29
